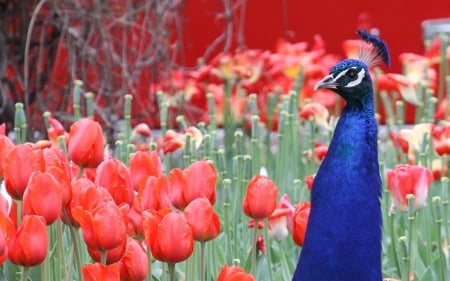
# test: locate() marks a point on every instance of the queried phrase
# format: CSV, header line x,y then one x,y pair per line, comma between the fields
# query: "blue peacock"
x,y
344,232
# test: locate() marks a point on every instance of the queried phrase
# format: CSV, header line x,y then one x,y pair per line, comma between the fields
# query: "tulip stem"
x,y
103,256
411,233
255,234
74,236
171,271
25,270
202,260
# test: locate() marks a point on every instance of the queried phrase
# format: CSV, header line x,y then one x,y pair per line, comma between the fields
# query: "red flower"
x,y
203,220
85,143
320,151
316,112
233,273
28,246
309,179
113,255
196,181
43,197
6,145
57,164
134,264
18,166
155,194
142,165
101,272
169,236
55,130
261,197
281,219
103,227
115,177
261,244
407,179
300,221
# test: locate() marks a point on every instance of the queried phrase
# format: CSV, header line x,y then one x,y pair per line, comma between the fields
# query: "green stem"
x,y
202,260
404,247
438,219
103,254
226,223
269,249
25,271
411,233
255,236
149,272
171,271
74,236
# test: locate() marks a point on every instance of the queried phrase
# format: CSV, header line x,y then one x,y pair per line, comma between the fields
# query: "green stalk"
x,y
20,123
202,260
103,254
149,272
412,233
438,219
268,250
127,118
77,89
171,271
443,66
212,112
394,250
404,247
400,109
447,111
89,104
226,223
75,244
255,236
25,271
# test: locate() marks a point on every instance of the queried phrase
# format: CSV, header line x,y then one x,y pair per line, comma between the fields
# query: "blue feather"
x,y
343,238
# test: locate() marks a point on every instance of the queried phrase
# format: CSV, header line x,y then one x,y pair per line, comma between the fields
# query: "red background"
x,y
399,22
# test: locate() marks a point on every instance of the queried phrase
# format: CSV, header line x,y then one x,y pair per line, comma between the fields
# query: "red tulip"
x,y
85,143
196,181
260,200
43,197
100,272
316,112
57,164
203,220
6,145
309,179
300,222
103,227
134,264
112,255
115,177
234,273
28,246
142,165
407,179
155,193
169,236
18,166
135,219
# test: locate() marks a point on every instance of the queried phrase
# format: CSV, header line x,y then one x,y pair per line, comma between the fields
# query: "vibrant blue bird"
x,y
343,237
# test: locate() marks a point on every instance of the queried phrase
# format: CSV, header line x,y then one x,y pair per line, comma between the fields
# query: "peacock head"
x,y
350,78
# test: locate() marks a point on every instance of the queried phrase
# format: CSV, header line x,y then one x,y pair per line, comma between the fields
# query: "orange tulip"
x,y
203,220
134,264
260,200
300,221
43,197
103,227
142,165
196,181
115,177
18,166
85,143
234,273
28,246
100,272
168,235
407,179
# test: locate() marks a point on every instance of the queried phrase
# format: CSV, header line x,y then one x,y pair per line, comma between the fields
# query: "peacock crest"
x,y
373,50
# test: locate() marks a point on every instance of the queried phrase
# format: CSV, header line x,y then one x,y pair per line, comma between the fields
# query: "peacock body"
x,y
344,232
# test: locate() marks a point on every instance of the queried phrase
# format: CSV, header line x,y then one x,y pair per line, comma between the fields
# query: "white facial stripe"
x,y
353,83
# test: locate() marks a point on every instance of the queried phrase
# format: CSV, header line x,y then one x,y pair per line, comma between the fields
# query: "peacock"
x,y
344,231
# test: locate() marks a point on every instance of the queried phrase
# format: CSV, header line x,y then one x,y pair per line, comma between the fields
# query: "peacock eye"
x,y
352,73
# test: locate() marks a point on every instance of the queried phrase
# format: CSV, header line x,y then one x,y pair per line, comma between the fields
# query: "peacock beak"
x,y
328,82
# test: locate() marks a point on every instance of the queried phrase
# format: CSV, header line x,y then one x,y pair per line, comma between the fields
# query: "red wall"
x,y
398,20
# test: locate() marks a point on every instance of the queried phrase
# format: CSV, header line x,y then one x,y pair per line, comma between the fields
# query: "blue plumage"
x,y
343,238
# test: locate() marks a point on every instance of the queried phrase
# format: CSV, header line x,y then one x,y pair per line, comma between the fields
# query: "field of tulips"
x,y
217,187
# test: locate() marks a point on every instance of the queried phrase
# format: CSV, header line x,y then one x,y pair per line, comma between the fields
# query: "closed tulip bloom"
x,y
260,200
300,222
196,181
103,227
142,165
234,273
155,193
28,246
115,177
101,272
407,179
18,166
134,264
43,197
168,235
203,220
6,145
57,164
85,143
112,255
